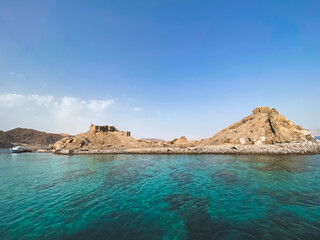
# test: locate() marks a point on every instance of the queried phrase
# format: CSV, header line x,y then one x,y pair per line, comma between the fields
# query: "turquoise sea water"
x,y
45,196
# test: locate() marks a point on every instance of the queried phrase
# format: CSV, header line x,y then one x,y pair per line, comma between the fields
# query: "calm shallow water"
x,y
44,196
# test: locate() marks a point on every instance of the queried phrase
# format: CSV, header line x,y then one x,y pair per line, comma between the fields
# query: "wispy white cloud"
x,y
98,106
68,114
20,75
157,112
137,109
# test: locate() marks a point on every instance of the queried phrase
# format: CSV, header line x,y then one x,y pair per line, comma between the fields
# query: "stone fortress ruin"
x,y
106,128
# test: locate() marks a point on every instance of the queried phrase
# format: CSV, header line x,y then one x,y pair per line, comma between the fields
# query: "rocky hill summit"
x,y
99,137
263,126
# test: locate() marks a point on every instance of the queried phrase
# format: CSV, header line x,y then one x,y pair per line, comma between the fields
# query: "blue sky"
x,y
158,68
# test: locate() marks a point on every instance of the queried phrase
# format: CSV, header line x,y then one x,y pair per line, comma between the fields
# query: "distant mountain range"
x,y
153,139
20,136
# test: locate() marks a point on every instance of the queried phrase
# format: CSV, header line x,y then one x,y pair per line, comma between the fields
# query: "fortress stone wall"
x,y
106,128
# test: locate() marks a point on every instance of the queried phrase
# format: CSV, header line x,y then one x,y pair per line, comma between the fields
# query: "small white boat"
x,y
18,149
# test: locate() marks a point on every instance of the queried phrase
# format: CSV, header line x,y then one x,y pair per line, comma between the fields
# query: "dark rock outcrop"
x,y
5,140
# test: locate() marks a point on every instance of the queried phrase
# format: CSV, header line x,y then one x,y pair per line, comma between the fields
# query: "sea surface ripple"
x,y
45,196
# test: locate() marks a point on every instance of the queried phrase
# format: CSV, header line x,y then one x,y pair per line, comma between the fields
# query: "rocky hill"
x,y
100,137
31,137
263,126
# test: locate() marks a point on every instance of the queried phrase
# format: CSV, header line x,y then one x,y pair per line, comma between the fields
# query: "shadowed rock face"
x,y
27,136
5,140
263,126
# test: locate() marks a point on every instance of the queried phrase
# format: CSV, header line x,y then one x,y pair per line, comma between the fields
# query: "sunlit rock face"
x,y
263,126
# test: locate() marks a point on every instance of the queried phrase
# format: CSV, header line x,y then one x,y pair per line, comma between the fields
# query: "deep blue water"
x,y
45,196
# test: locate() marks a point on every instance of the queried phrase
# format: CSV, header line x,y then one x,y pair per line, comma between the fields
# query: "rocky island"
x,y
265,131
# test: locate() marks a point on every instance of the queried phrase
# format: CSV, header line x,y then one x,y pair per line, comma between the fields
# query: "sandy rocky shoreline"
x,y
275,149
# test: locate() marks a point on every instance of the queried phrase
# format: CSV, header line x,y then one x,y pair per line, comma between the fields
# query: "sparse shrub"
x,y
173,141
227,140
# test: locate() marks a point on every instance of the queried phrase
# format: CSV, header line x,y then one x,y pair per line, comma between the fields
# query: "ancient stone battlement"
x,y
261,110
95,128
106,128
